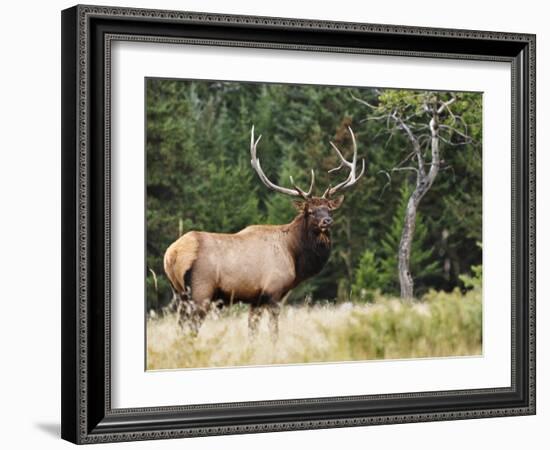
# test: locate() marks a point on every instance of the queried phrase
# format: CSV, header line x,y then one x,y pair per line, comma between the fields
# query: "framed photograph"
x,y
280,224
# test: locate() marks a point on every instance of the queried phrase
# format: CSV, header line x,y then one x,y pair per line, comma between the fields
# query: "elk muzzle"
x,y
325,223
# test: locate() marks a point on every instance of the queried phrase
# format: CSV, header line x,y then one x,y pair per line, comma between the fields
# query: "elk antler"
x,y
352,178
255,161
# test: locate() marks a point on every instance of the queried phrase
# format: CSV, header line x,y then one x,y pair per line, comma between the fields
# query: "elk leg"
x,y
183,307
185,311
202,296
201,311
191,316
254,316
274,309
191,310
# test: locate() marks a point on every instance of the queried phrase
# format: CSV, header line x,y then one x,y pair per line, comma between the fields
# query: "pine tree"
x,y
367,277
199,178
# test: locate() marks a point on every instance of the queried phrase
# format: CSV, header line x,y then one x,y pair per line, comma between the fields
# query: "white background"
x,y
133,387
30,229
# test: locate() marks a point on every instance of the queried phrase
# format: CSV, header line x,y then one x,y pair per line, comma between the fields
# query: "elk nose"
x,y
326,222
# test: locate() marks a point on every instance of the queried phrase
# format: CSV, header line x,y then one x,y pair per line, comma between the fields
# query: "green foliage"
x,y
445,324
379,271
473,281
422,263
279,208
403,101
199,178
231,190
452,208
367,277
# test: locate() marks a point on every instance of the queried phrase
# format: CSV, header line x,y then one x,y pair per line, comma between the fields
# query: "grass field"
x,y
441,324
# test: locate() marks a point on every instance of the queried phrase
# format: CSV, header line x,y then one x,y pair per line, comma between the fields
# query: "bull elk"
x,y
260,264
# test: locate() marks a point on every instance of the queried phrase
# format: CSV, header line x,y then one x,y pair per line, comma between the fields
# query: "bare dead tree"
x,y
425,125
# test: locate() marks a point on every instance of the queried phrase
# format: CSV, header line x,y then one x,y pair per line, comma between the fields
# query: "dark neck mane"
x,y
310,249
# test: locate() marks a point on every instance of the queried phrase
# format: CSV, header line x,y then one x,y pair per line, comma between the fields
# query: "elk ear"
x,y
336,203
300,205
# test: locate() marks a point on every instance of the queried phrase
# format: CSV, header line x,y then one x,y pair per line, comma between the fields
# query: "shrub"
x,y
367,278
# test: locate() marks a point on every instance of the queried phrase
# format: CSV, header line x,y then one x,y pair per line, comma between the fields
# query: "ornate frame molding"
x,y
83,421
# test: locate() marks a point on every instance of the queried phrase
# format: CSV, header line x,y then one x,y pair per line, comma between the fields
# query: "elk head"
x,y
317,209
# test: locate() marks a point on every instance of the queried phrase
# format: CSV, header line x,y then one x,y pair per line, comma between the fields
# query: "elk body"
x,y
260,264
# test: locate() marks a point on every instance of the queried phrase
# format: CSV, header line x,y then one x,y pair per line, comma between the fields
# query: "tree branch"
x,y
469,139
414,140
434,166
453,144
387,184
364,102
403,161
382,117
445,105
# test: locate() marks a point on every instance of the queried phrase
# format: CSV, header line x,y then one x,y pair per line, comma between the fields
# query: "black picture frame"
x,y
87,32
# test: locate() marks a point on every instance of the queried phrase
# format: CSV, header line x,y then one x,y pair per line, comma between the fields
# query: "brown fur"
x,y
258,265
179,258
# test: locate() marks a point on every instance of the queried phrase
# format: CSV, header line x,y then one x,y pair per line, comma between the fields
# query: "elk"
x,y
260,264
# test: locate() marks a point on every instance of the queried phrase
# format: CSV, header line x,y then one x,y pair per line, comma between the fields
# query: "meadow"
x,y
440,324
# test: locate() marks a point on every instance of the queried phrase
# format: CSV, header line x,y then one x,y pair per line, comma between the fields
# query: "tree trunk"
x,y
404,255
423,185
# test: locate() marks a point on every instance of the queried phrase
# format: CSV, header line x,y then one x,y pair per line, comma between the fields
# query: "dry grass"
x,y
440,325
